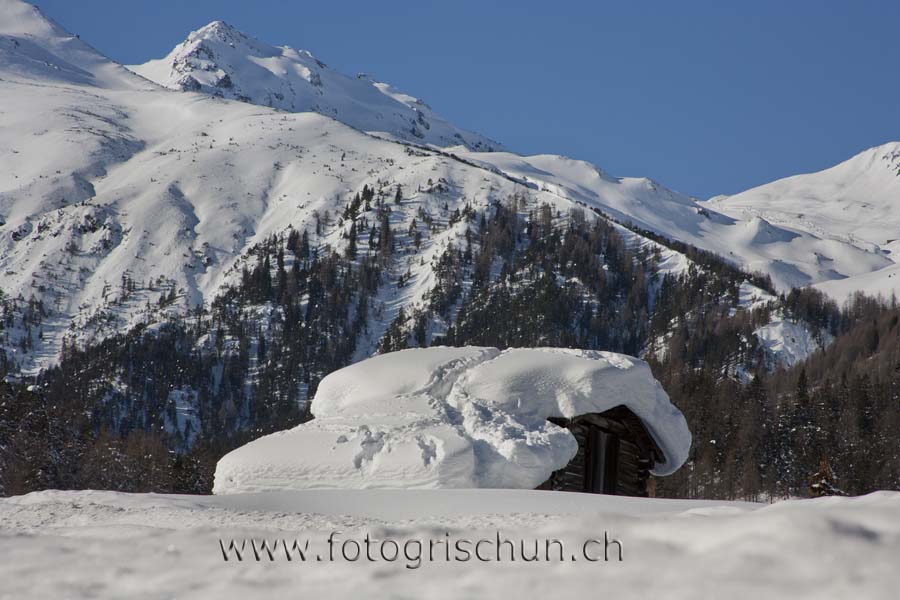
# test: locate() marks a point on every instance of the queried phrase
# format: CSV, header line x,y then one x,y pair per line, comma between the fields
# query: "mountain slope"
x,y
117,192
220,60
791,256
33,46
200,264
118,195
856,202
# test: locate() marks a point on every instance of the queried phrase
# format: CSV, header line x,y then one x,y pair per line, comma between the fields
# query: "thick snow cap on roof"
x,y
453,417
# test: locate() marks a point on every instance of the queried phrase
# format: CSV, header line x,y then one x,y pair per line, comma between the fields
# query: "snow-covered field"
x,y
110,545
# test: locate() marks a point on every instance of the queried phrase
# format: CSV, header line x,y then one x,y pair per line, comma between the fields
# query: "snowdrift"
x,y
453,418
88,544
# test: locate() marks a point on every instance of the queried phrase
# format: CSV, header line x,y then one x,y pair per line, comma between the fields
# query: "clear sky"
x,y
705,97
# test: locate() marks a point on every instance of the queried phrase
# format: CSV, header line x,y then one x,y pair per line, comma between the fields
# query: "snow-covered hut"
x,y
474,417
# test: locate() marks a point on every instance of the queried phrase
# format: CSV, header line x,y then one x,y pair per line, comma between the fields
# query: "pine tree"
x,y
350,253
822,482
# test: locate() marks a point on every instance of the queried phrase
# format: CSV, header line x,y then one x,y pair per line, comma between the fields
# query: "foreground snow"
x,y
453,418
111,545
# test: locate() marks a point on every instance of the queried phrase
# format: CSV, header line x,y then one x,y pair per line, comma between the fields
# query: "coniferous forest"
x,y
154,408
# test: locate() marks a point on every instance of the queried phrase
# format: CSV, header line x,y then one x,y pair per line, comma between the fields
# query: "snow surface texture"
x,y
110,545
220,60
453,418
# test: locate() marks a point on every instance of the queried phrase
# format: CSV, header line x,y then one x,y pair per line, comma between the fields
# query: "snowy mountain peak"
x,y
220,32
220,60
33,47
883,149
854,203
21,18
869,163
890,154
218,28
108,178
855,200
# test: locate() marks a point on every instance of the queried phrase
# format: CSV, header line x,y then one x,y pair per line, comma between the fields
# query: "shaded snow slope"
x,y
220,60
453,418
104,544
884,282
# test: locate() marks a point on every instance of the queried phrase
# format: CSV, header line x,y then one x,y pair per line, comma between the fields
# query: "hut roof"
x,y
454,417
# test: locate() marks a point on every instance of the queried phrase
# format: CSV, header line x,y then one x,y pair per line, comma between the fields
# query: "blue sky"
x,y
705,97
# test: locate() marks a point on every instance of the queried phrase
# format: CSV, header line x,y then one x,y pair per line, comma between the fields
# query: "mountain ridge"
x,y
221,60
118,191
856,201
